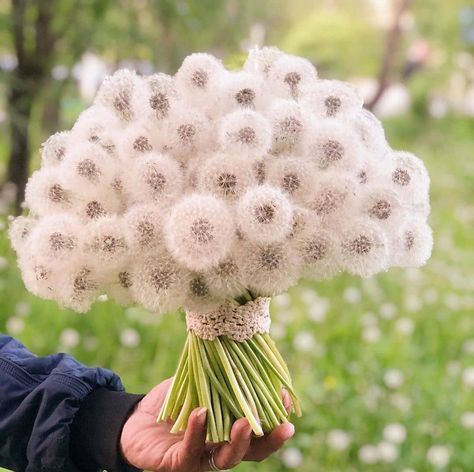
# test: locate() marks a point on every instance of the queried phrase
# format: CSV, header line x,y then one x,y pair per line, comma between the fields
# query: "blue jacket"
x,y
59,415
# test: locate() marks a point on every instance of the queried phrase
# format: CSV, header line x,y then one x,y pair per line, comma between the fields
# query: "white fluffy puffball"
x,y
210,185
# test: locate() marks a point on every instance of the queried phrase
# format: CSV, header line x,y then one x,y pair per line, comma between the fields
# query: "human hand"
x,y
149,445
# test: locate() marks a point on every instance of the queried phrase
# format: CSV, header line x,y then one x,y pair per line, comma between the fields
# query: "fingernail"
x,y
291,430
248,430
201,413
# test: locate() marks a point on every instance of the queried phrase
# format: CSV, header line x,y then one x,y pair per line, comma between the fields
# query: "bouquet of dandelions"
x,y
214,190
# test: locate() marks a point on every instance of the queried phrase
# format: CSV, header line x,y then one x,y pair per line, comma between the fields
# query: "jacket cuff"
x,y
96,430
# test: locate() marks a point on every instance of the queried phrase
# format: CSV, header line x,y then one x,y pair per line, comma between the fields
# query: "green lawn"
x,y
364,353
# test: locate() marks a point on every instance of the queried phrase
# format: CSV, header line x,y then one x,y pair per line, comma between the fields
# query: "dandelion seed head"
x,y
245,132
260,60
332,145
54,148
224,177
332,98
199,231
290,74
153,177
264,214
117,93
289,123
191,189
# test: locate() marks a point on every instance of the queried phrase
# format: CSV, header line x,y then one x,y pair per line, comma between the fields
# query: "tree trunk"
x,y
20,102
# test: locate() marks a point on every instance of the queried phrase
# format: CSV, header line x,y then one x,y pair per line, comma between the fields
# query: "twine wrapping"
x,y
236,322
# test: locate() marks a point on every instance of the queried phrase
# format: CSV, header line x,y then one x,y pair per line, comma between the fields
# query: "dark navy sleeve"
x,y
39,399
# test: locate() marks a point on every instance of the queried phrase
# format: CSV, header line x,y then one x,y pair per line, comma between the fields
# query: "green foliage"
x,y
325,36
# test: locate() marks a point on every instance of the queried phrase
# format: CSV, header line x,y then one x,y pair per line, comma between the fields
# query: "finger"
x,y
261,448
193,445
230,454
152,402
286,400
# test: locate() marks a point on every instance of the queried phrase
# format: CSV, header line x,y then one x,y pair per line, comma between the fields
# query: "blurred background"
x,y
384,366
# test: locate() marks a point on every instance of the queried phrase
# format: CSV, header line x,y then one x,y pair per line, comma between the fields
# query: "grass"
x,y
344,340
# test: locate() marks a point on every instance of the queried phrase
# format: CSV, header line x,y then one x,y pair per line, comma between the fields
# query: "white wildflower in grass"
x,y
292,457
338,439
289,75
304,341
317,310
332,98
387,310
331,145
290,123
395,433
404,326
69,338
264,214
352,295
388,452
15,325
199,231
245,132
393,378
438,456
210,189
468,346
467,420
369,454
55,147
371,333
130,338
468,377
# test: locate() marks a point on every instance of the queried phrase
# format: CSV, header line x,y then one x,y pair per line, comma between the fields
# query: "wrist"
x,y
97,429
